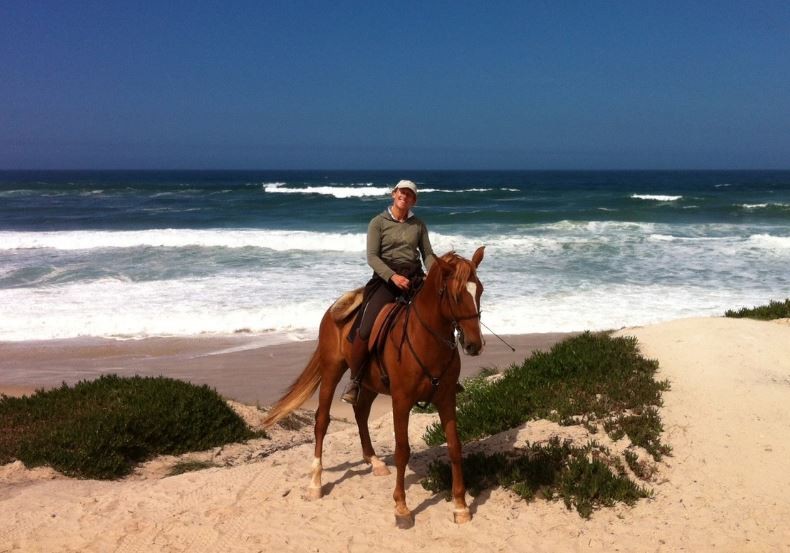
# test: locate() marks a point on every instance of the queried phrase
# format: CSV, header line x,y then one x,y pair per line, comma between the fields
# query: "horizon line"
x,y
379,170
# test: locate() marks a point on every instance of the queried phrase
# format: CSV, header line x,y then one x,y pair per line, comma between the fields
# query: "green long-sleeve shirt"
x,y
394,244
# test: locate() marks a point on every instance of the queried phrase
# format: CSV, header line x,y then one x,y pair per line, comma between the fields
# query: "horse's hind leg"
x,y
362,414
329,382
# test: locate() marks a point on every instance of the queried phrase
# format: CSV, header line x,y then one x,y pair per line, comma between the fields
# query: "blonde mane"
x,y
462,271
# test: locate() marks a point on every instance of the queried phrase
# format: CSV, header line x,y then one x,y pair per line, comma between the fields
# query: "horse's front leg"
x,y
362,414
446,410
400,410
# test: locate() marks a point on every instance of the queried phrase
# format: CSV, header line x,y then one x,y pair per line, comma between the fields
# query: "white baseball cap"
x,y
406,184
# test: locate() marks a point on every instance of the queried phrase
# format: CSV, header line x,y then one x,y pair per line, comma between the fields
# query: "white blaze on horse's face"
x,y
470,348
471,287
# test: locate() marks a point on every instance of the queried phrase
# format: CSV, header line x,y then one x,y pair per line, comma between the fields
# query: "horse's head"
x,y
460,302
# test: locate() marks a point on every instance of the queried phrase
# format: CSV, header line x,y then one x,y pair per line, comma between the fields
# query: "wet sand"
x,y
238,367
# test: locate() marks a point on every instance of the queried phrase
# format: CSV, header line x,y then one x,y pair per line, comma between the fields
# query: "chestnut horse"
x,y
420,358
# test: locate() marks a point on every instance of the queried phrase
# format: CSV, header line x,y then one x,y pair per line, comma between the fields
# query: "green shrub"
x,y
643,429
586,379
641,470
774,310
183,467
591,375
472,387
589,484
556,470
102,428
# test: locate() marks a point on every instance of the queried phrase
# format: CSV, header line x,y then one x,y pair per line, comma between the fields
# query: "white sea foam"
x,y
177,193
359,191
599,227
770,242
561,276
656,197
20,192
352,184
764,205
336,191
279,240
549,238
662,238
593,308
110,308
465,190
671,238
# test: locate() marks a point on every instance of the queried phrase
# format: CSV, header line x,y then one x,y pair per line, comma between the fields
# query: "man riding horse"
x,y
421,348
396,240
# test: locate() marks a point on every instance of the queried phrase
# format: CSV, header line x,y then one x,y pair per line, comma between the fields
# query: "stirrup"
x,y
351,394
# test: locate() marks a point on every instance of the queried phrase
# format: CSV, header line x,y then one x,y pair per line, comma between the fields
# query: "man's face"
x,y
403,198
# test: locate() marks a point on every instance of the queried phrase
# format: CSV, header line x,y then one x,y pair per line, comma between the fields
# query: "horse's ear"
x,y
478,256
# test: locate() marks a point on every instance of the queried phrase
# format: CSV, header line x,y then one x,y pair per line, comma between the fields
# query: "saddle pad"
x,y
346,305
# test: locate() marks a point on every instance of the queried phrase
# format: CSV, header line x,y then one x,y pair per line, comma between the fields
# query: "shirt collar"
x,y
408,215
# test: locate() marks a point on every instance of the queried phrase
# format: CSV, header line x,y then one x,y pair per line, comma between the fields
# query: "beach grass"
x,y
584,379
556,470
102,428
594,380
774,310
183,467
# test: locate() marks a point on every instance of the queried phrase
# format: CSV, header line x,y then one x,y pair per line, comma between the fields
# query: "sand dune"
x,y
725,487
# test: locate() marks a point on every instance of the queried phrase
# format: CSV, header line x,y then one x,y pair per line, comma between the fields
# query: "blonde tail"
x,y
299,392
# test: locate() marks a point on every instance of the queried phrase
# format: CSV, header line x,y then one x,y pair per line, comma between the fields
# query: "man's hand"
x,y
400,281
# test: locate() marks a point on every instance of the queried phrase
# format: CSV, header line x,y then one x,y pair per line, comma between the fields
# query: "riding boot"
x,y
357,362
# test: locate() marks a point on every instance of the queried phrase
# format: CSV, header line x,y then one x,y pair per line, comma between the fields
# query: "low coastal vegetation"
x,y
774,310
593,380
183,467
103,428
577,475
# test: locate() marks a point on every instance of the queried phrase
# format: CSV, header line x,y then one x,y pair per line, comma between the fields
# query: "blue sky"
x,y
394,85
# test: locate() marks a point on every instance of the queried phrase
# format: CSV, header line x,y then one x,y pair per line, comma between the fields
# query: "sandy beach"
x,y
724,488
238,367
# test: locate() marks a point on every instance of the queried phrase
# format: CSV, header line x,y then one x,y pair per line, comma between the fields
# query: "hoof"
x,y
462,516
379,467
404,522
313,494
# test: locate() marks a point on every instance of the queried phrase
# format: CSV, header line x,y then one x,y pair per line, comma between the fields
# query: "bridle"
x,y
457,318
450,342
454,319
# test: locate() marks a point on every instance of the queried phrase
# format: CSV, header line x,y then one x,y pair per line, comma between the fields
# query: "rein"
x,y
451,342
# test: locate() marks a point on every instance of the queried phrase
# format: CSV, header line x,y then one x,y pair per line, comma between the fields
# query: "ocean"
x,y
133,254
